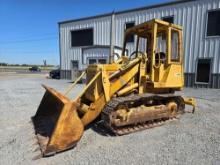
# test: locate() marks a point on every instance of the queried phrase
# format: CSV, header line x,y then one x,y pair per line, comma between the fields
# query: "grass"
x,y
23,68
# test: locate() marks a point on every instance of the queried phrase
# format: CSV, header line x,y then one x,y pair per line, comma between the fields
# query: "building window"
x,y
127,26
213,24
102,61
92,61
75,64
175,46
169,19
82,37
97,61
203,70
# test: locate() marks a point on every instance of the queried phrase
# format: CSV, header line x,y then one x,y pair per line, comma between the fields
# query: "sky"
x,y
29,28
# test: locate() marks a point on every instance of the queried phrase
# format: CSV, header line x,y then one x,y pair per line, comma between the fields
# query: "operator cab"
x,y
160,43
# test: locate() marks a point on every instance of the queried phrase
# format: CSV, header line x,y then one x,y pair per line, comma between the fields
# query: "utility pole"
x,y
45,62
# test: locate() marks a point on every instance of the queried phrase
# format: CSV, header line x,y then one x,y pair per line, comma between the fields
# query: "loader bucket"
x,y
56,123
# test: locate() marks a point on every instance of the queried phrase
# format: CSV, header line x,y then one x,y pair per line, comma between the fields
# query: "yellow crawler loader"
x,y
132,93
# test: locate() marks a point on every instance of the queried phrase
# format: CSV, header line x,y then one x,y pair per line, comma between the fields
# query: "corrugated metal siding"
x,y
191,15
101,28
94,53
213,83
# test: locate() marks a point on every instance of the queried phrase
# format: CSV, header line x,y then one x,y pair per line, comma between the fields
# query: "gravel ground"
x,y
194,139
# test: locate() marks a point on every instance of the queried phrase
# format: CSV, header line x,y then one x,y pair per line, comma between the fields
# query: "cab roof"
x,y
146,27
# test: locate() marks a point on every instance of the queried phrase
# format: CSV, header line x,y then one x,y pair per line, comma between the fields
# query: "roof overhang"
x,y
129,10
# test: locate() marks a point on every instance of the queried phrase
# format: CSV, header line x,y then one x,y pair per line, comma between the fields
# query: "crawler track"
x,y
154,119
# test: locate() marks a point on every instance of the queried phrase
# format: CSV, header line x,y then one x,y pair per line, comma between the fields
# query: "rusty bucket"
x,y
56,122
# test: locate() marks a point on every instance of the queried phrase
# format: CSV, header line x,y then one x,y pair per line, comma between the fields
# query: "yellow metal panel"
x,y
123,79
106,85
142,74
94,110
168,45
127,89
172,78
154,32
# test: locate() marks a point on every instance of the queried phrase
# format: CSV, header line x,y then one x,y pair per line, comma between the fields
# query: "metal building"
x,y
93,39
